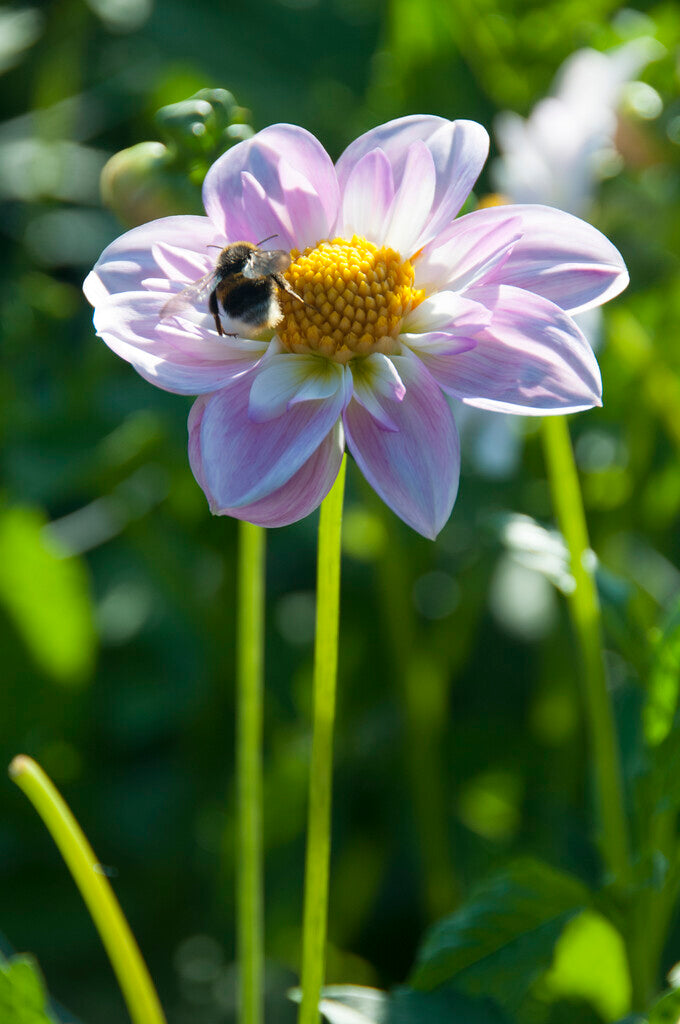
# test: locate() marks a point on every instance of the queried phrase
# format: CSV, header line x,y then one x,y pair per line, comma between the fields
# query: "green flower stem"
x,y
249,896
136,985
584,607
321,769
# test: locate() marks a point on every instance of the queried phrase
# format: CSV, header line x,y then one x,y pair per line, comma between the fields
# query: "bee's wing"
x,y
193,292
264,264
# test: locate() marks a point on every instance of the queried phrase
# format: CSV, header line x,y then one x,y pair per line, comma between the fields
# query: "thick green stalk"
x,y
584,607
317,864
250,670
126,960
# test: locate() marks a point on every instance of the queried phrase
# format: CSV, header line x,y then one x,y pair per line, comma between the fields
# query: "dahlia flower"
x,y
405,306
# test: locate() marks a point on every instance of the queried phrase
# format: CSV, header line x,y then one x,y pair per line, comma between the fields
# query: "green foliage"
x,y
502,938
590,964
23,999
46,593
666,1010
663,681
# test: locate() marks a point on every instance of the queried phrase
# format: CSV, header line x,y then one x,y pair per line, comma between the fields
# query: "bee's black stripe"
x,y
248,301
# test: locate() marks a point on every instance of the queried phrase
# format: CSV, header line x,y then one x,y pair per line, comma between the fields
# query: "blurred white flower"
x,y
557,157
563,149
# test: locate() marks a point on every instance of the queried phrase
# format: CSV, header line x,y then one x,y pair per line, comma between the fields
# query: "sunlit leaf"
x,y
23,999
47,597
662,687
666,1010
502,939
590,964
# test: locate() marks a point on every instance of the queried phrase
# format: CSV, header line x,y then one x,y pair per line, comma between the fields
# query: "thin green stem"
x,y
317,864
136,985
250,670
584,607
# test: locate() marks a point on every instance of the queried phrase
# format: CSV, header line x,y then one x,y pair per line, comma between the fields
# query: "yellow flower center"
x,y
355,296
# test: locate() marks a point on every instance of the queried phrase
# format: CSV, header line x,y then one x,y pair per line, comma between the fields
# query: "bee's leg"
x,y
215,310
282,283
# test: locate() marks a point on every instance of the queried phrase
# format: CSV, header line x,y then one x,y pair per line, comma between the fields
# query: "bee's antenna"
x,y
267,239
209,246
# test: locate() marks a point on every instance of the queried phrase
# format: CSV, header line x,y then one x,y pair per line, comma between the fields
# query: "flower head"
x,y
398,306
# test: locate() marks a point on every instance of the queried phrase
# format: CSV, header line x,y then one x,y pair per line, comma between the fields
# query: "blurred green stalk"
x,y
250,671
317,865
584,607
136,985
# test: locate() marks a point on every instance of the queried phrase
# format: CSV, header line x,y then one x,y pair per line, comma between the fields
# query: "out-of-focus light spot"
x,y
294,616
642,100
522,600
607,163
598,449
32,169
19,29
489,805
363,534
124,611
673,130
199,962
68,237
436,595
198,958
607,488
554,717
122,15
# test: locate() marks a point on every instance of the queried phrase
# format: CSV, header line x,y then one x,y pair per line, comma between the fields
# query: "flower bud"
x,y
141,184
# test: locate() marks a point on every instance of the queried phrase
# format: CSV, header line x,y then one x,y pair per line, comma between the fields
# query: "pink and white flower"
x,y
407,305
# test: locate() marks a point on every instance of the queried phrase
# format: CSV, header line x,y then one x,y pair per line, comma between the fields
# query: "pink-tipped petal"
x,y
244,461
182,359
559,256
295,499
296,175
458,150
129,260
377,385
414,469
466,253
367,198
532,359
287,378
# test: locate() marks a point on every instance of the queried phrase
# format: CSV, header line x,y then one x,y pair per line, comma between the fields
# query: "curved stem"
x,y
584,607
317,863
250,670
123,952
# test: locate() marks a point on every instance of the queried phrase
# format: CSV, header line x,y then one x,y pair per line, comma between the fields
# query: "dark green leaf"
x,y
502,939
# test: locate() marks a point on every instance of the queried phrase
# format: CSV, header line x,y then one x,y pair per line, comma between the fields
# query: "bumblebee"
x,y
244,283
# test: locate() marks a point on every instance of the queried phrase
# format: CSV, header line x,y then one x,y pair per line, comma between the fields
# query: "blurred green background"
x,y
460,741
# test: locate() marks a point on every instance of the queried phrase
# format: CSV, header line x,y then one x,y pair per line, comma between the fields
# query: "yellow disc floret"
x,y
355,295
